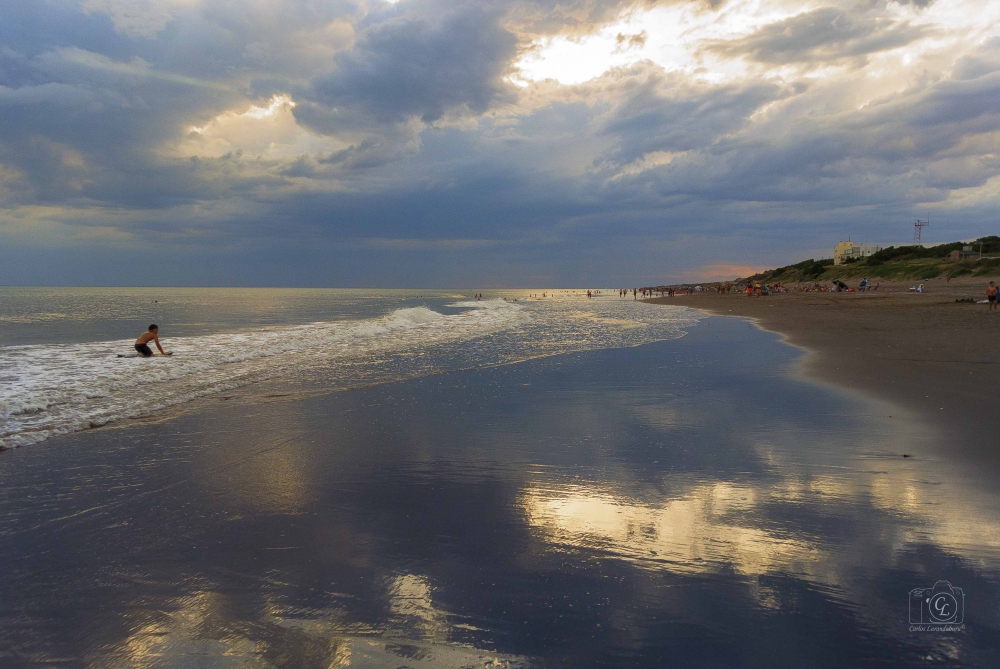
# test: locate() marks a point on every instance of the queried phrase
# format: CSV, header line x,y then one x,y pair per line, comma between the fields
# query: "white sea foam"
x,y
53,389
47,390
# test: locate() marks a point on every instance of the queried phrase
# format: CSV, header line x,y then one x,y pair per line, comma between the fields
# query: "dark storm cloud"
x,y
820,36
89,138
421,67
413,144
659,112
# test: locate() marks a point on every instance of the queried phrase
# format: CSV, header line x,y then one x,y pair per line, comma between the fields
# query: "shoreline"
x,y
938,359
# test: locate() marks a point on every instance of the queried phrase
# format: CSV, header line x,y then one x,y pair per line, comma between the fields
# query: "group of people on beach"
x,y
757,289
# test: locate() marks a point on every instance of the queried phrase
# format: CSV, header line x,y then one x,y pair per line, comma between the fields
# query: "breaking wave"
x,y
46,390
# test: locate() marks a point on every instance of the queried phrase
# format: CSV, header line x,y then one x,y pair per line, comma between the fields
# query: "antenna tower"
x,y
917,227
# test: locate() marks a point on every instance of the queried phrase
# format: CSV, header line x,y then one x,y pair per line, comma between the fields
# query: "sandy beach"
x,y
937,357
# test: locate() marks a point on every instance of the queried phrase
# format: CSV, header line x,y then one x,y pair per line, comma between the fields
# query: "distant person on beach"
x,y
142,343
991,295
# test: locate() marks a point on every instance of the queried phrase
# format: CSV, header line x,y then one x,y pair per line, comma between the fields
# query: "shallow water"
x,y
225,339
681,503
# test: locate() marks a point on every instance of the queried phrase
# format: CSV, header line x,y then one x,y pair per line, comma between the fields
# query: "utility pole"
x,y
917,227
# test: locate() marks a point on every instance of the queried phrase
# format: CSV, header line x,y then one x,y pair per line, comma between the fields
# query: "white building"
x,y
846,251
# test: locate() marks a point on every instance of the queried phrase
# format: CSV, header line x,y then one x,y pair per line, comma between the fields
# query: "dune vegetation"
x,y
895,263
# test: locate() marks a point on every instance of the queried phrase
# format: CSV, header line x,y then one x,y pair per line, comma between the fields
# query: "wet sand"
x,y
938,358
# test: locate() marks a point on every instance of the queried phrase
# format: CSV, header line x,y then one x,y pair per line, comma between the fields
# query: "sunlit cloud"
x,y
772,38
409,128
672,37
266,131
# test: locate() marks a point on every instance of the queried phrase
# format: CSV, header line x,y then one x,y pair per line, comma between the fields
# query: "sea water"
x,y
67,362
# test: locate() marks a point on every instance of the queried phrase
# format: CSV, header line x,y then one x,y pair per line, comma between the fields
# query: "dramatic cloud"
x,y
410,67
821,36
366,142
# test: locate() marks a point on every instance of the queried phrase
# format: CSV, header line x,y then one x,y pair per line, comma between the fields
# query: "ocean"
x,y
61,368
416,478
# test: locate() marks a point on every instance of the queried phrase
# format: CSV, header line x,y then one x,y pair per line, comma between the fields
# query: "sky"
x,y
485,143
